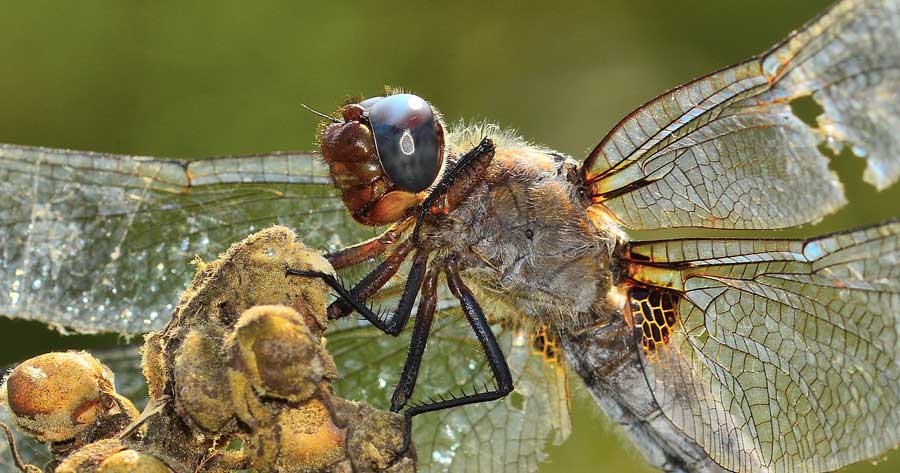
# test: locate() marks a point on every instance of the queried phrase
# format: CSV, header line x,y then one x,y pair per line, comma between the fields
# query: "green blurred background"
x,y
208,78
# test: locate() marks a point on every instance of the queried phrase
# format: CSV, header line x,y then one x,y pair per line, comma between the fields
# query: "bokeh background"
x,y
207,78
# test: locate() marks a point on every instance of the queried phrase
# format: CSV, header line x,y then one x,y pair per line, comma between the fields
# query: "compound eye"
x,y
406,138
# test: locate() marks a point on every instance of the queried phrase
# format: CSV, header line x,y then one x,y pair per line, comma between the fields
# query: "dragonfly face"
x,y
385,151
712,353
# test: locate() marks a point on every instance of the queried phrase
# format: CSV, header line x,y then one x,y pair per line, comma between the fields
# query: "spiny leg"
x,y
372,282
370,248
393,324
495,358
454,185
421,330
482,329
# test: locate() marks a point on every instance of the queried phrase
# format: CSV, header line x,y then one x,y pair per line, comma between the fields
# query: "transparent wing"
x,y
124,361
774,355
726,151
99,242
510,435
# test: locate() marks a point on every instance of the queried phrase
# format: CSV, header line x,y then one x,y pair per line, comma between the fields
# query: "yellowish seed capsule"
x,y
54,396
273,348
110,456
309,437
132,461
202,392
303,439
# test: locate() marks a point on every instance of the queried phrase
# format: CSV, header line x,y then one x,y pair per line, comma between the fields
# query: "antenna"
x,y
316,112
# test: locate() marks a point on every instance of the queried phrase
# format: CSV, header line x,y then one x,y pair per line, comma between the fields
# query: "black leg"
x,y
373,281
420,332
393,324
488,342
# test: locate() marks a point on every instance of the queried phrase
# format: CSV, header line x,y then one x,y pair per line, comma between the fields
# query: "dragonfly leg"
x,y
373,281
370,248
421,330
482,329
453,187
394,323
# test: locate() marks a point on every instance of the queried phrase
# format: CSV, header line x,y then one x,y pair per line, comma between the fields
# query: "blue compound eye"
x,y
406,138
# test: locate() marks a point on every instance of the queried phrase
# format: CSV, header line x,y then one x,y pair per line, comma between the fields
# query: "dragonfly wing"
x,y
727,151
510,435
774,355
102,243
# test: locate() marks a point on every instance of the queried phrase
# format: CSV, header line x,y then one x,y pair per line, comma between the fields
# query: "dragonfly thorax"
x,y
526,235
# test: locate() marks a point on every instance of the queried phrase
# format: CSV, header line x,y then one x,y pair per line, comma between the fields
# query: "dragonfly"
x,y
712,353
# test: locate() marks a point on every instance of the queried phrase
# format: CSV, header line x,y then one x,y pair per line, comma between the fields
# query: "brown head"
x,y
383,155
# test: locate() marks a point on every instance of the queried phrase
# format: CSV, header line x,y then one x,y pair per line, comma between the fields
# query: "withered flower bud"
x,y
55,396
202,388
304,438
273,348
110,456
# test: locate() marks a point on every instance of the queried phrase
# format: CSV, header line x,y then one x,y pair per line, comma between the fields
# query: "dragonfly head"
x,y
385,152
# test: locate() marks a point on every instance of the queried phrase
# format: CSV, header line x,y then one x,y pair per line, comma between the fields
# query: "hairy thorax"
x,y
526,235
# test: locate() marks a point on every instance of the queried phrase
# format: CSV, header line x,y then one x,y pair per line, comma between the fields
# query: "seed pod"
x,y
132,461
375,439
111,456
202,393
274,349
56,396
302,439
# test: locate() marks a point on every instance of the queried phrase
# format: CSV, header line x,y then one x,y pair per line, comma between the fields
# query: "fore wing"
x,y
100,242
774,355
726,151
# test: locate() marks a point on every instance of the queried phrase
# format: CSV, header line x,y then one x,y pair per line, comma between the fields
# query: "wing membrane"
x,y
517,428
726,151
782,355
100,242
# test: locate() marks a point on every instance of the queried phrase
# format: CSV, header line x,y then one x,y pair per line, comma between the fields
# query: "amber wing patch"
x,y
545,343
654,316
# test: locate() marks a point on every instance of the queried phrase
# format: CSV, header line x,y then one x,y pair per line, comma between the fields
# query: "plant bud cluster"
x,y
239,379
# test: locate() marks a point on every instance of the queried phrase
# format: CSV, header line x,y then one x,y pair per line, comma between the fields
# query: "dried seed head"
x,y
201,386
376,438
273,348
110,456
54,396
303,439
132,461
